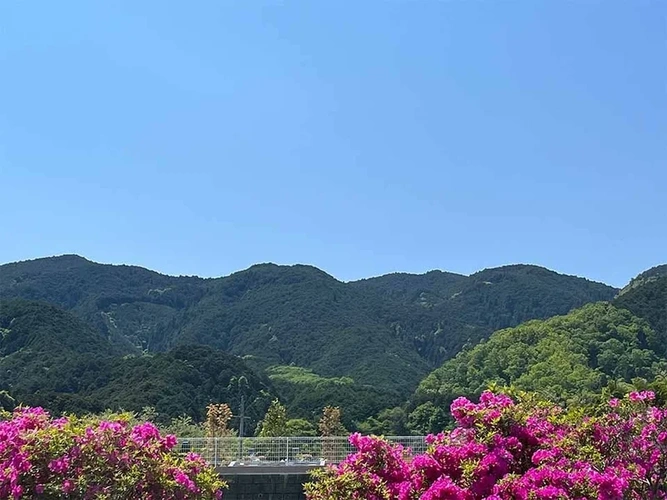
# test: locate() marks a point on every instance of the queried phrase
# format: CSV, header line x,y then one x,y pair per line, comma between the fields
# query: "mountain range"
x,y
83,336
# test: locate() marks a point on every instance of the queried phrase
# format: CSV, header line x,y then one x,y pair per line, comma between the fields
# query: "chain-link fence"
x,y
249,451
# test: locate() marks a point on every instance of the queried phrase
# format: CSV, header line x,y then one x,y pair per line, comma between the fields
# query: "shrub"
x,y
526,450
81,458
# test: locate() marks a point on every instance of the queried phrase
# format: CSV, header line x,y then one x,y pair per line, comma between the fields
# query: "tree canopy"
x,y
567,359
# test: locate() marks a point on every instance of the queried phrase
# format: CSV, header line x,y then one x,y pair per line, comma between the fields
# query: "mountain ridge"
x,y
73,257
386,332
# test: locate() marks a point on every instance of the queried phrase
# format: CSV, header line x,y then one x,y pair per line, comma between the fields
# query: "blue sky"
x,y
361,137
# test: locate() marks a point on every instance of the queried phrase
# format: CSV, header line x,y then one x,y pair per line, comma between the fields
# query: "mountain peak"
x,y
301,271
648,276
67,258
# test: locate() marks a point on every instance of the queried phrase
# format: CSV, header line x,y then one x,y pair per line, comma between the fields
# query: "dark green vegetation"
x,y
314,340
442,312
646,296
49,357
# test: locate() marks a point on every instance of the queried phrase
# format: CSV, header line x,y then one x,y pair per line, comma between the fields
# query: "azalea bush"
x,y
504,449
81,458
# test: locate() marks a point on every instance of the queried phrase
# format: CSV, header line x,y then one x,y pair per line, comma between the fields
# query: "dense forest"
x,y
573,359
49,357
79,336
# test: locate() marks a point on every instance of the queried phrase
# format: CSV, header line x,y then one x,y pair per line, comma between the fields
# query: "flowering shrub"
x,y
526,450
77,458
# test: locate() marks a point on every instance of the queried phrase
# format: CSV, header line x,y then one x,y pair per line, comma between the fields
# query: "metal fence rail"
x,y
255,451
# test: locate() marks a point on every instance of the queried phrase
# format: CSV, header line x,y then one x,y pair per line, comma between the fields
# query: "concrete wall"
x,y
264,484
266,487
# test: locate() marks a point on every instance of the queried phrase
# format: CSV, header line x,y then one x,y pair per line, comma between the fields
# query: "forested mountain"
x,y
41,349
49,357
646,296
456,310
182,381
296,324
132,306
648,276
603,348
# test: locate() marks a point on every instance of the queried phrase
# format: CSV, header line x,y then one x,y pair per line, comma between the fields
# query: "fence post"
x,y
215,452
287,447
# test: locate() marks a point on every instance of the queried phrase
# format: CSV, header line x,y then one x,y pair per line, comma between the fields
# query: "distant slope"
x,y
300,315
648,276
383,333
28,327
181,381
566,359
42,348
509,295
134,307
442,312
646,297
49,357
425,289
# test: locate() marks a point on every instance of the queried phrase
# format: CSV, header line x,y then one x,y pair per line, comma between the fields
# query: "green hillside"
x,y
646,297
277,315
134,307
182,381
43,350
648,276
566,359
50,358
442,312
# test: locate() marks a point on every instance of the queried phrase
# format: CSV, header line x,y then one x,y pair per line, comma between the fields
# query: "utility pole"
x,y
241,384
242,418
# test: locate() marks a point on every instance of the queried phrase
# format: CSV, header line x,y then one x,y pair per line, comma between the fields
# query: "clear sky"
x,y
363,137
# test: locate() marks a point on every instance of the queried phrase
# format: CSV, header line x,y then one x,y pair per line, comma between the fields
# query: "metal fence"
x,y
256,451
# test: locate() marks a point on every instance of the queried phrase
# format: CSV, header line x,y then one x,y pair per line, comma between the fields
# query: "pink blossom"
x,y
39,455
502,450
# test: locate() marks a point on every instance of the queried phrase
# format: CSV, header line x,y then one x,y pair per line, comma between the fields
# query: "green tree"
x,y
184,427
388,422
148,414
428,418
275,421
300,427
